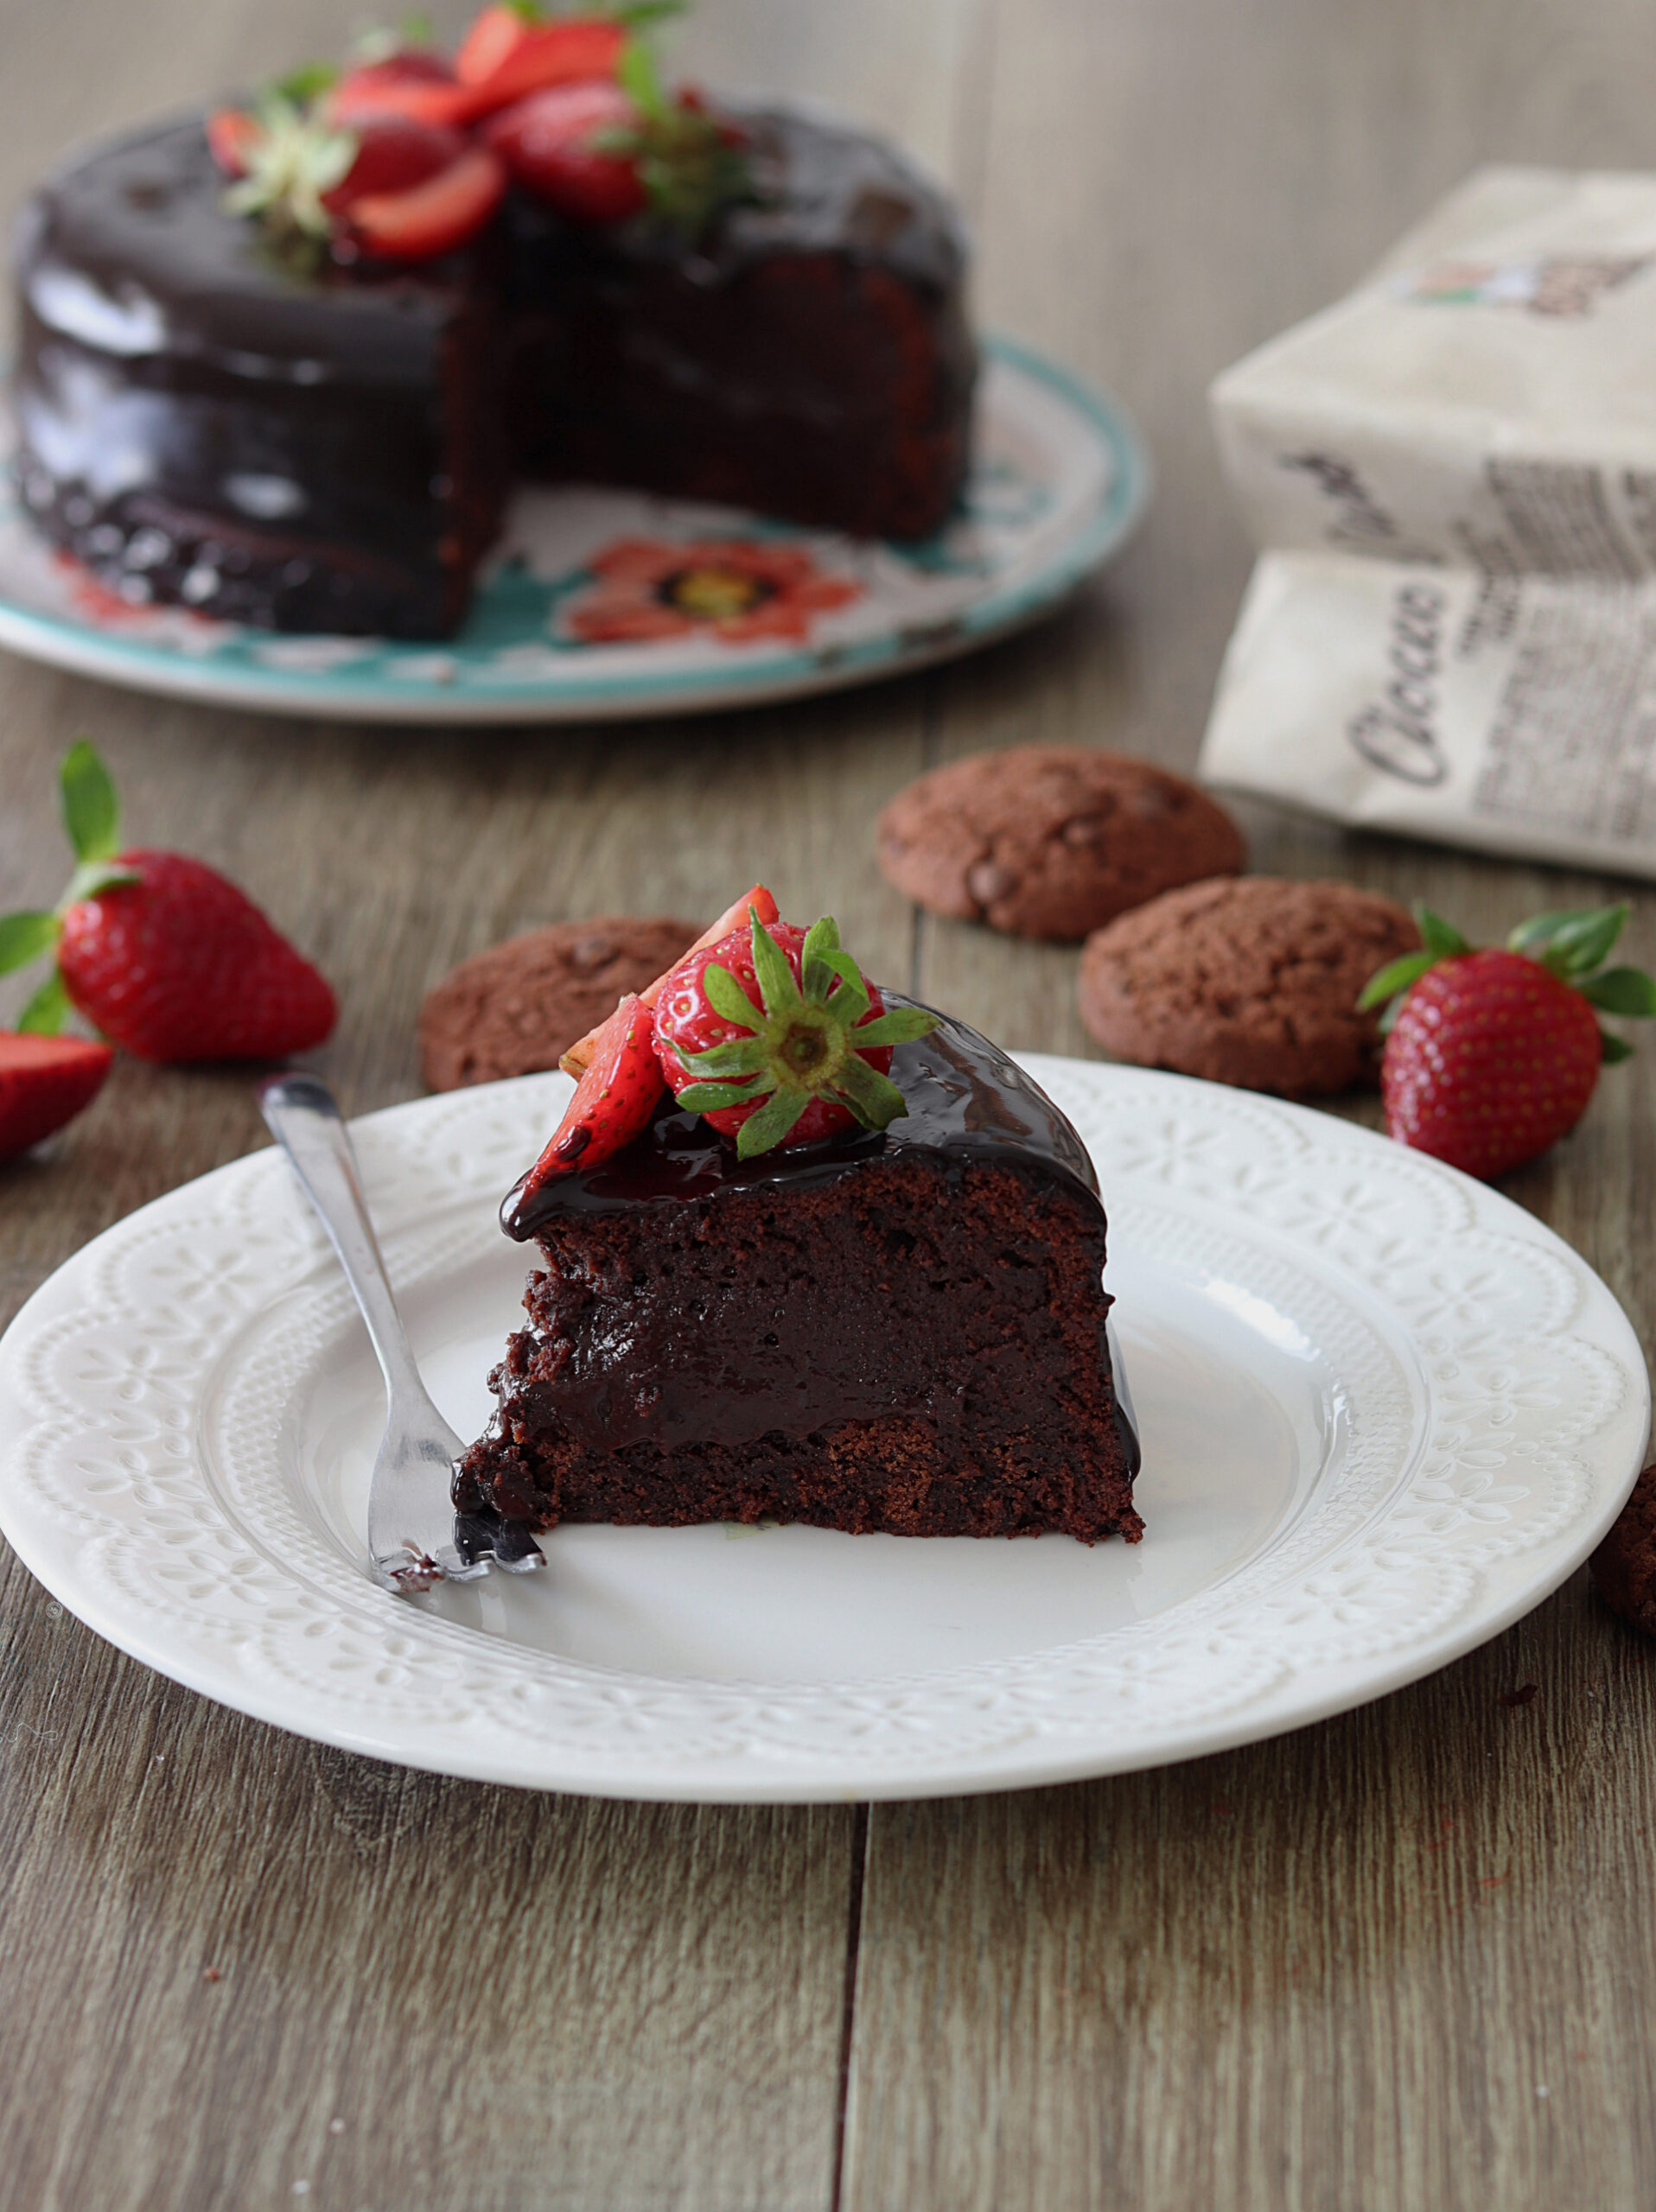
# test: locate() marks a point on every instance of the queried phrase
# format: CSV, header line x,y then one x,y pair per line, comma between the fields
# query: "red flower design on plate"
x,y
734,588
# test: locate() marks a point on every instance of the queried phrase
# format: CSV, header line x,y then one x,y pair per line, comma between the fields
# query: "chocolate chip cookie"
x,y
1249,980
513,1009
1051,840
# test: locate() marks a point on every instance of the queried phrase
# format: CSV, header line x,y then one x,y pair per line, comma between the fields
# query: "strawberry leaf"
x,y
709,1097
1627,991
23,938
771,1123
816,970
1564,929
48,1011
91,812
1583,942
741,1056
726,996
900,1024
873,1098
851,1001
1612,1049
1395,976
1441,938
775,977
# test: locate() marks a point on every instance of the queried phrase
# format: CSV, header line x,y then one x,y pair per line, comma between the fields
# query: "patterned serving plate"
x,y
602,603
1385,1412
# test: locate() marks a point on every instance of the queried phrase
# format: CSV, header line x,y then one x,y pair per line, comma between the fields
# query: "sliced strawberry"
x,y
394,155
435,216
496,35
388,87
45,1082
550,54
547,141
578,1058
232,134
612,1101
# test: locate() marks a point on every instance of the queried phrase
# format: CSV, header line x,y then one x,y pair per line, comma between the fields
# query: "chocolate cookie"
x,y
1624,1566
1051,840
1249,980
513,1009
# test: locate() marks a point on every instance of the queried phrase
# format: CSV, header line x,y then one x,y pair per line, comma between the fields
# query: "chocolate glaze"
x,y
966,1099
328,450
970,1107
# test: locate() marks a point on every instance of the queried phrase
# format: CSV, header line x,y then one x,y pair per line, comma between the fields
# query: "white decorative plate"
x,y
1385,1412
582,610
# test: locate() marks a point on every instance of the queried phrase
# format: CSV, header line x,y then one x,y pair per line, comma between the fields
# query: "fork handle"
x,y
302,1115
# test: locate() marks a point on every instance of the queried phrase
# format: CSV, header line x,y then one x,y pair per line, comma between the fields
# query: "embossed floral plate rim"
x,y
982,578
1500,1412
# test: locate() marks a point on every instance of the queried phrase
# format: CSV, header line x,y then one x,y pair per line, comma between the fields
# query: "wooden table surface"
x,y
1402,1959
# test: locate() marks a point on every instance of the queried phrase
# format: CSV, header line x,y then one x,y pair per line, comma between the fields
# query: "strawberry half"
x,y
162,953
394,155
435,216
578,1058
1492,1055
45,1082
499,63
776,1037
612,1101
553,143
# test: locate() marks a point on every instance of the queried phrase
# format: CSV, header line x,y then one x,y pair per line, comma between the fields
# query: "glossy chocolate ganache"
x,y
207,420
900,1330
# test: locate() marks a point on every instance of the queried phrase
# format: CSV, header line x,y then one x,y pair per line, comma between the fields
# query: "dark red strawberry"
x,y
45,1082
435,216
578,1058
553,143
775,1037
165,955
1492,1055
612,1101
394,155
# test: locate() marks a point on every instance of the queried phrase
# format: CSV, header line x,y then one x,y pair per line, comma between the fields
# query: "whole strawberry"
x,y
775,1036
1492,1055
162,954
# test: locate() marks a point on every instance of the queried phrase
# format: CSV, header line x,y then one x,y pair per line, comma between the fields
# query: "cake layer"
x,y
903,1330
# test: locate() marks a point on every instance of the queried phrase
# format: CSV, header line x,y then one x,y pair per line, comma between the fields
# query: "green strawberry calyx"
x,y
807,1040
689,163
92,815
292,159
1570,943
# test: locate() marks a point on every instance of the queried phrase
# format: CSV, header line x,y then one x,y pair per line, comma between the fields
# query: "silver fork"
x,y
415,1537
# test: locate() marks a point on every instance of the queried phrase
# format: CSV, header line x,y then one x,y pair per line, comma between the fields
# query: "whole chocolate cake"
x,y
299,400
896,1327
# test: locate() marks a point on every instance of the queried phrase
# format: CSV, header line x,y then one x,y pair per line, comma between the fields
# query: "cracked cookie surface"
x,y
1051,840
1252,979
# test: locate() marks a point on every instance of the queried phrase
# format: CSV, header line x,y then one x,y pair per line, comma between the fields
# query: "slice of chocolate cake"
x,y
899,1328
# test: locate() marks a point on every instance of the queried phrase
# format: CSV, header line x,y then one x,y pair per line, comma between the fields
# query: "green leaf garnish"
x,y
91,812
1395,976
774,1120
1626,991
23,938
1612,1049
726,996
48,1011
1441,938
